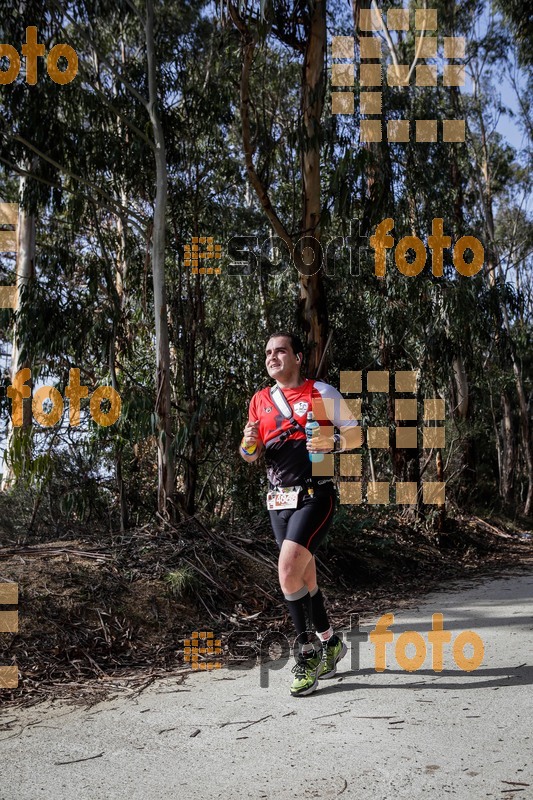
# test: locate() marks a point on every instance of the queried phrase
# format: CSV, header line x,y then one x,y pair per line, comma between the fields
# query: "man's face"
x,y
281,361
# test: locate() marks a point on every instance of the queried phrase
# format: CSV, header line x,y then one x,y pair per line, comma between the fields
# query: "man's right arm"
x,y
251,446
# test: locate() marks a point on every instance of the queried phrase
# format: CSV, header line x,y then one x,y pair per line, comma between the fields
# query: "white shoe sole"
x,y
311,689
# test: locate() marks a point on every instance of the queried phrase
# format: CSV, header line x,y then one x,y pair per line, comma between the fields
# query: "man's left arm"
x,y
333,407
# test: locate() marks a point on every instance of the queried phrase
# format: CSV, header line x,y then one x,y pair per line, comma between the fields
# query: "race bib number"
x,y
276,501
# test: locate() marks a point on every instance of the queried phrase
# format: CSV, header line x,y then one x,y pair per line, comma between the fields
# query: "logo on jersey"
x,y
268,410
300,408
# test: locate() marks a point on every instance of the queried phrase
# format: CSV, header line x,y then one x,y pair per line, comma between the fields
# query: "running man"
x,y
300,506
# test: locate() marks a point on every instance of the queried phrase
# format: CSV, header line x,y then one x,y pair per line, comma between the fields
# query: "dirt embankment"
x,y
106,611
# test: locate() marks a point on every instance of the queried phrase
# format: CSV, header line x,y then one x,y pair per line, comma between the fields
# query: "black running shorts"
x,y
308,524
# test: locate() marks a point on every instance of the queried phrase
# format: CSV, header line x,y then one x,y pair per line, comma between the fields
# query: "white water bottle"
x,y
311,426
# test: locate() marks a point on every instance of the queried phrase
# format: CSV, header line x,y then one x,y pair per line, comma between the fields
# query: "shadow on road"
x,y
479,679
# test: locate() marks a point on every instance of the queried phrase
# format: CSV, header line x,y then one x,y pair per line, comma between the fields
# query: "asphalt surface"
x,y
363,734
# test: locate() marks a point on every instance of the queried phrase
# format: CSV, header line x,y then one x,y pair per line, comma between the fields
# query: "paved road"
x,y
365,734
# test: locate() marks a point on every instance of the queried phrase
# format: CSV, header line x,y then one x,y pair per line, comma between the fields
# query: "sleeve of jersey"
x,y
339,414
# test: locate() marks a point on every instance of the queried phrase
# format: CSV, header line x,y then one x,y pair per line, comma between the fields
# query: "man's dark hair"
x,y
296,342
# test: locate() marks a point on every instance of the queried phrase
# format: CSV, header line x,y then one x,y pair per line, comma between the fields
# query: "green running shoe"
x,y
305,675
334,650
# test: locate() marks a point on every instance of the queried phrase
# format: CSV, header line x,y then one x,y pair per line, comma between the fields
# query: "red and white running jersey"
x,y
288,461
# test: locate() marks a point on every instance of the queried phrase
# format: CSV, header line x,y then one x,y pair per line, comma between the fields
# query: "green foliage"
x,y
181,582
88,151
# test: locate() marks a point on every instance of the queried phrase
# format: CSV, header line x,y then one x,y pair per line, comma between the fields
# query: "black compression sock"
x,y
318,611
299,605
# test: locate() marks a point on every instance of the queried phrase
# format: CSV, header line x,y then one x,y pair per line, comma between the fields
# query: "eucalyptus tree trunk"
x,y
166,459
312,303
313,309
25,271
379,166
121,269
508,461
120,278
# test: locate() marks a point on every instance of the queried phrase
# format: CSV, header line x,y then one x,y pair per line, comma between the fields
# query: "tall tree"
x,y
303,28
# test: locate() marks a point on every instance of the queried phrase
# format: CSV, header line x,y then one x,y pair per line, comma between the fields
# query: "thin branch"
x,y
392,46
73,175
77,760
112,209
126,120
419,48
137,13
525,109
106,261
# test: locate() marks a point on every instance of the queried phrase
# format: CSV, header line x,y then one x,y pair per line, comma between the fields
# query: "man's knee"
x,y
288,570
293,561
